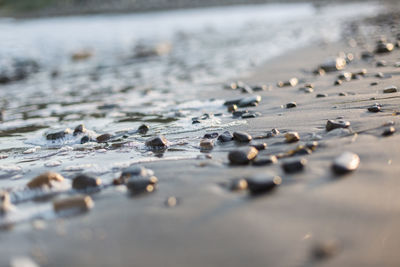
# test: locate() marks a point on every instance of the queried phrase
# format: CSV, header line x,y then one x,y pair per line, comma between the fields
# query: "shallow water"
x,y
116,90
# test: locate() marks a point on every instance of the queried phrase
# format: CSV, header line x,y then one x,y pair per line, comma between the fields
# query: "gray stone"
x,y
157,142
263,183
242,137
242,156
345,163
294,166
332,124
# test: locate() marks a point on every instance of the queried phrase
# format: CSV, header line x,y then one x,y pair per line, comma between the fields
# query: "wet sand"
x,y
355,216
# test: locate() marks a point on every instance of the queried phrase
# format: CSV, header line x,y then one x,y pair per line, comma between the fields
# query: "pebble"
x,y
292,137
238,184
345,76
58,135
225,137
291,105
260,146
345,163
103,138
5,203
338,82
301,150
331,124
85,139
250,115
210,135
390,89
309,85
375,108
263,183
242,156
249,101
242,137
380,75
45,179
273,132
80,203
171,202
294,165
157,142
262,161
232,108
381,63
366,55
206,144
388,131
307,90
335,64
83,181
373,83
321,95
326,249
342,94
292,82
79,129
383,47
143,129
142,185
135,171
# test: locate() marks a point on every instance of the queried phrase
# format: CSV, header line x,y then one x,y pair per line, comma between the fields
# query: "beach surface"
x,y
313,218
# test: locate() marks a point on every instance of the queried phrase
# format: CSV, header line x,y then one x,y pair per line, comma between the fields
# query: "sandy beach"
x,y
315,217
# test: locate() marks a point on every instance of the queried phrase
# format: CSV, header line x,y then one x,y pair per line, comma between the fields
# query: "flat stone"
x,y
142,185
83,182
78,203
242,156
45,179
374,108
342,94
206,144
135,171
249,101
332,124
321,95
58,135
79,129
381,63
291,105
225,137
157,142
210,135
242,137
390,89
273,132
307,90
263,161
143,129
260,146
366,55
384,48
292,137
292,82
294,165
345,163
338,82
103,138
335,64
388,131
263,183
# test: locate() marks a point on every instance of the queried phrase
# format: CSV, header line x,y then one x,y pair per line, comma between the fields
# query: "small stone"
x,y
307,90
291,105
373,84
345,163
85,139
294,165
5,203
292,82
263,183
331,124
83,182
389,131
103,138
143,129
225,137
338,82
238,185
312,145
326,249
301,150
262,161
342,94
292,137
206,144
78,203
381,63
58,135
345,76
250,101
390,89
133,172
79,129
374,108
242,137
157,142
242,156
367,55
141,185
171,202
210,135
272,133
384,47
309,85
335,64
232,108
45,179
321,95
380,75
260,146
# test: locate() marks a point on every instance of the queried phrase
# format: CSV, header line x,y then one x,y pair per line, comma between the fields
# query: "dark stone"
x,y
324,250
294,165
195,121
79,129
262,161
345,163
239,113
157,142
321,95
136,172
263,183
143,129
272,133
345,76
291,105
85,139
331,124
250,101
383,47
367,55
242,137
260,146
312,145
390,89
373,84
103,138
225,137
242,156
381,63
232,108
389,131
338,82
83,181
342,94
210,135
141,185
57,135
375,108
249,115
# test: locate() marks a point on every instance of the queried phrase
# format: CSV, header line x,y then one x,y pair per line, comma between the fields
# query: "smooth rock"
x,y
388,131
58,135
242,156
345,163
210,135
143,129
338,82
249,101
78,203
292,82
260,146
390,89
83,182
232,108
206,144
335,64
225,137
142,185
242,137
321,95
85,139
263,161
263,183
383,47
291,105
294,165
103,138
5,203
157,142
374,108
331,124
381,63
292,137
79,129
45,179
